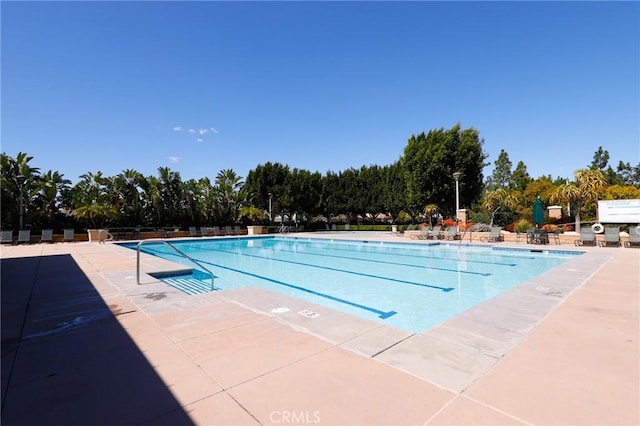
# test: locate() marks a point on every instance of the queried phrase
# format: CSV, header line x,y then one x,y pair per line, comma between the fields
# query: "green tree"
x,y
520,177
600,159
501,177
585,190
429,162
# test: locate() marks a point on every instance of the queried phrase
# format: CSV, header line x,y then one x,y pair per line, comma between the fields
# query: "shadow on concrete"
x,y
65,357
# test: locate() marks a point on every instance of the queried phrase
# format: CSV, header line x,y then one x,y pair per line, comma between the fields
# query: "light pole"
x,y
21,179
456,176
270,209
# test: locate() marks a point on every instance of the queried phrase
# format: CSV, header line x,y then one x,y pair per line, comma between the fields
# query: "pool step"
x,y
189,285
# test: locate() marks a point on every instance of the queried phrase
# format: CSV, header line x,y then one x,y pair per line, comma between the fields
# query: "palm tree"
x,y
51,186
430,210
497,199
19,184
586,189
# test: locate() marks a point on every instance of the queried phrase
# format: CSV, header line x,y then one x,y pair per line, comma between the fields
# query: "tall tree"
x,y
588,185
501,177
600,159
429,162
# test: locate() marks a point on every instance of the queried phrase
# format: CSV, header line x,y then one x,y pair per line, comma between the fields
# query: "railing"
x,y
155,240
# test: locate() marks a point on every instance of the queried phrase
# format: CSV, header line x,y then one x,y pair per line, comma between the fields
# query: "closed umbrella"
x,y
538,212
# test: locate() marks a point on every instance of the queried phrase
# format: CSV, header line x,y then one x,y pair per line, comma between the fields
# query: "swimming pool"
x,y
404,285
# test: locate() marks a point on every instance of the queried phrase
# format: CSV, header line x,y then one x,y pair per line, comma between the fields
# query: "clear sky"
x,y
205,86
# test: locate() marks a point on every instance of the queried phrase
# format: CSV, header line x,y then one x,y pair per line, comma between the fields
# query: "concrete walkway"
x,y
82,343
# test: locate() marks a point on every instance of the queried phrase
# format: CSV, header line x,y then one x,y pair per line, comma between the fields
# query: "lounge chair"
x,y
7,237
587,237
237,230
452,233
611,237
24,236
216,231
228,230
494,236
435,233
47,236
204,231
68,235
193,231
634,237
423,235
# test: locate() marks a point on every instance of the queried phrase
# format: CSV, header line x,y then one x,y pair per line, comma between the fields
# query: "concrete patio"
x,y
82,343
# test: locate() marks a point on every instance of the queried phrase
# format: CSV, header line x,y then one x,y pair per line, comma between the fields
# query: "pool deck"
x,y
82,343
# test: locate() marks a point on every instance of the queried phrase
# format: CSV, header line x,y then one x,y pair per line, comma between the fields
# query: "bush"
x,y
481,227
522,225
448,222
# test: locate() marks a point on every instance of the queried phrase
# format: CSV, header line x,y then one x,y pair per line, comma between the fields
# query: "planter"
x,y
254,230
99,235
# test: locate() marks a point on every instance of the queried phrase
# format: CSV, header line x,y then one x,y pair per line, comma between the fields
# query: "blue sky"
x,y
205,86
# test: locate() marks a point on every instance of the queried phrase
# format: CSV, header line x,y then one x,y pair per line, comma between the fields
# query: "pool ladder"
x,y
156,240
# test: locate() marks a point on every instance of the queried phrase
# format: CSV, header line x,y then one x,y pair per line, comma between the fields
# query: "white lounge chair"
x,y
7,237
634,236
216,231
193,232
237,230
68,235
423,235
611,237
47,236
452,233
228,230
204,231
24,236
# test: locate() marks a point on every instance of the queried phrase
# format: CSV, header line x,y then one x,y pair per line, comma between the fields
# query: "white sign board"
x,y
619,211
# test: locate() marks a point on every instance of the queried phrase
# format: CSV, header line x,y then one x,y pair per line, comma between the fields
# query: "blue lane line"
x,y
435,257
484,274
345,271
381,314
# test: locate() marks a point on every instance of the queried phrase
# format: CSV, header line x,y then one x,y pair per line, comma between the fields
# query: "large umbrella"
x,y
538,212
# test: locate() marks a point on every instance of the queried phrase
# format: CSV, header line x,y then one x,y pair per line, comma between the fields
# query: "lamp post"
x,y
456,176
270,219
21,179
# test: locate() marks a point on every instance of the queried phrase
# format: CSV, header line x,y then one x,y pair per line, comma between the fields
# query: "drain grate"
x,y
309,314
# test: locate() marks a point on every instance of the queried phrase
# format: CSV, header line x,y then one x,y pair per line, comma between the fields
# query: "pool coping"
x,y
460,350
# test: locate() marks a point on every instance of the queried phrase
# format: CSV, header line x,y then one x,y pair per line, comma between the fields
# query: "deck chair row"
x,y
24,236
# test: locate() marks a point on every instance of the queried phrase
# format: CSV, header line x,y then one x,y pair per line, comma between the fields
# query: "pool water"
x,y
408,286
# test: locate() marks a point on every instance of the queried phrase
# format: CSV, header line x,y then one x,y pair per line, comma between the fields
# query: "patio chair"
x,y
556,236
228,230
587,237
452,233
7,237
423,235
204,231
216,231
494,236
634,237
193,231
611,237
237,230
435,233
68,235
47,236
24,236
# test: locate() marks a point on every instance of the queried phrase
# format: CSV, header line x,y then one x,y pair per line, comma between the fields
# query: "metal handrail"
x,y
156,240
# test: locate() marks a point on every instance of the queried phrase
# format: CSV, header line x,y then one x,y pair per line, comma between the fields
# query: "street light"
x,y
21,179
456,176
270,208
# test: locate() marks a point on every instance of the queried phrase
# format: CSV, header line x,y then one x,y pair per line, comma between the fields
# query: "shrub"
x,y
522,225
448,222
481,227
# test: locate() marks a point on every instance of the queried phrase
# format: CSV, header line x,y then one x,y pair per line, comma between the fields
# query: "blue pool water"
x,y
409,286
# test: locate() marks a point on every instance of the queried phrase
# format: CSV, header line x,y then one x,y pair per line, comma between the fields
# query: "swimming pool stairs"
x,y
188,284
